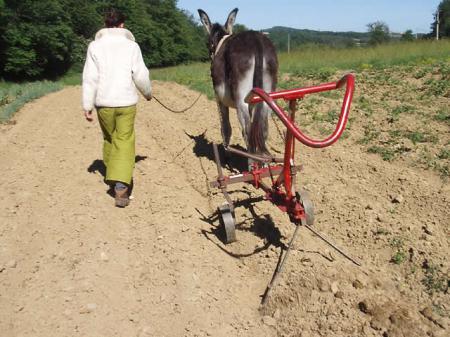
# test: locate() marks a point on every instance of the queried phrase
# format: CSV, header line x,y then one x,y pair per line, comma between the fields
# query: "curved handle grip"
x,y
348,80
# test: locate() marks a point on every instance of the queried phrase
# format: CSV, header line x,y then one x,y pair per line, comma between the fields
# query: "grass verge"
x,y
14,96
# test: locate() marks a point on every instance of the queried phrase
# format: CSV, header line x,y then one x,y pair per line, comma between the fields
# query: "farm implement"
x,y
277,176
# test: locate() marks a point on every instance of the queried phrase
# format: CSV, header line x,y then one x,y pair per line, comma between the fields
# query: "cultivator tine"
x,y
280,267
321,236
286,255
259,158
282,171
221,178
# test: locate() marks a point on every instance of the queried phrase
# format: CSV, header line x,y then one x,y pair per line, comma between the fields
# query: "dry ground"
x,y
73,265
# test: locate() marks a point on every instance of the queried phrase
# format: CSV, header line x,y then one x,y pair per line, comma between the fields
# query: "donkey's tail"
x,y
259,112
259,129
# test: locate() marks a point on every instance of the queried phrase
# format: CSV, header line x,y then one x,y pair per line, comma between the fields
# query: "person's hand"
x,y
89,116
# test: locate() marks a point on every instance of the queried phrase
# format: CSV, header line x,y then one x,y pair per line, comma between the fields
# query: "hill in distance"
x,y
281,36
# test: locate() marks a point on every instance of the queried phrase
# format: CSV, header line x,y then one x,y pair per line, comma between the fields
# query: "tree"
x,y
237,28
444,19
36,40
179,39
408,36
84,17
378,32
42,39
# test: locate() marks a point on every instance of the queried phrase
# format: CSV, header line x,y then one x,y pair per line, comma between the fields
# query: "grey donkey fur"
x,y
240,62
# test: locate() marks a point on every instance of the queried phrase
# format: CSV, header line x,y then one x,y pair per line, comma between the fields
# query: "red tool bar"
x,y
348,79
291,94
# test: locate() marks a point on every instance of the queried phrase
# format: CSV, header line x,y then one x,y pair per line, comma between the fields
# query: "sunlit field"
x,y
321,62
400,109
313,58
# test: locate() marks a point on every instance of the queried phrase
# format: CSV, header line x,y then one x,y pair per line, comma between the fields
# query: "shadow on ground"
x,y
99,166
262,226
203,148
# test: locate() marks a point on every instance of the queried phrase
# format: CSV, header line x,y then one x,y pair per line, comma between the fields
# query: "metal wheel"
x,y
227,221
307,204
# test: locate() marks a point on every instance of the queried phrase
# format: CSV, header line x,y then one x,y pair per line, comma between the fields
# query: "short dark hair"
x,y
114,18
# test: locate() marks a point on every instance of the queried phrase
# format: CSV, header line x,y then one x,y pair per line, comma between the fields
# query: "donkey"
x,y
240,62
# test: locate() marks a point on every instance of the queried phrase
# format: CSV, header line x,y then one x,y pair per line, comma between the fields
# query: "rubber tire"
x,y
307,205
227,222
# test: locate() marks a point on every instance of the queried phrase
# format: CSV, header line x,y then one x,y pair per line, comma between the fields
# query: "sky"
x,y
330,15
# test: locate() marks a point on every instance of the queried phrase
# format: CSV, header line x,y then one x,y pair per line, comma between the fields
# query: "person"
x,y
114,68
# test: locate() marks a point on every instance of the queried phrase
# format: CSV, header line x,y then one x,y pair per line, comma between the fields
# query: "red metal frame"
x,y
349,80
286,199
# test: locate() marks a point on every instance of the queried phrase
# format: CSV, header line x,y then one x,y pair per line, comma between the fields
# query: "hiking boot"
x,y
121,197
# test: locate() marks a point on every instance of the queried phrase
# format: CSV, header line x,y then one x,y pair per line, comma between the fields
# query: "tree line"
x,y
443,12
379,31
43,39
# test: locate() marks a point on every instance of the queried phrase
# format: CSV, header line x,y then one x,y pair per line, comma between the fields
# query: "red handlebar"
x,y
348,79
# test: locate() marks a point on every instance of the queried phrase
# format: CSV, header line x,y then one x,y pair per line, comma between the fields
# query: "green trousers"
x,y
119,142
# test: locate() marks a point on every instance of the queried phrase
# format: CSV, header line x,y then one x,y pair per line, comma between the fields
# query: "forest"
x,y
43,39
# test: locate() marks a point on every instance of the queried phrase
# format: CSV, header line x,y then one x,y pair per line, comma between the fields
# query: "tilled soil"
x,y
71,264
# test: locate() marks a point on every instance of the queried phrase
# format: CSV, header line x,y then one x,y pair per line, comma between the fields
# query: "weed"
x,y
365,105
420,137
443,115
397,242
385,153
400,109
415,137
434,280
323,74
370,134
315,100
324,130
400,255
331,94
332,116
392,210
440,310
444,154
437,87
427,159
365,67
395,133
444,170
444,70
421,73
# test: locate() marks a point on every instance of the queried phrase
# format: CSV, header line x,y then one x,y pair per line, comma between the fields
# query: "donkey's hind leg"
x,y
225,126
245,121
265,129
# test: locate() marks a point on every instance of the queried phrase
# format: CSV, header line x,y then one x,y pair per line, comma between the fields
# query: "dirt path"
x,y
73,265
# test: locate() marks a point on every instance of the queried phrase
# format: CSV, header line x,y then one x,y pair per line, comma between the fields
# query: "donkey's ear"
x,y
205,20
230,21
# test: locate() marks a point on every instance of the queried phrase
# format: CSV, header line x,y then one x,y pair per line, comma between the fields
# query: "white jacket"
x,y
113,70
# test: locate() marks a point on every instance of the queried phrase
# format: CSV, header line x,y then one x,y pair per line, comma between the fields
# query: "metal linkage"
x,y
279,269
259,95
282,172
332,245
